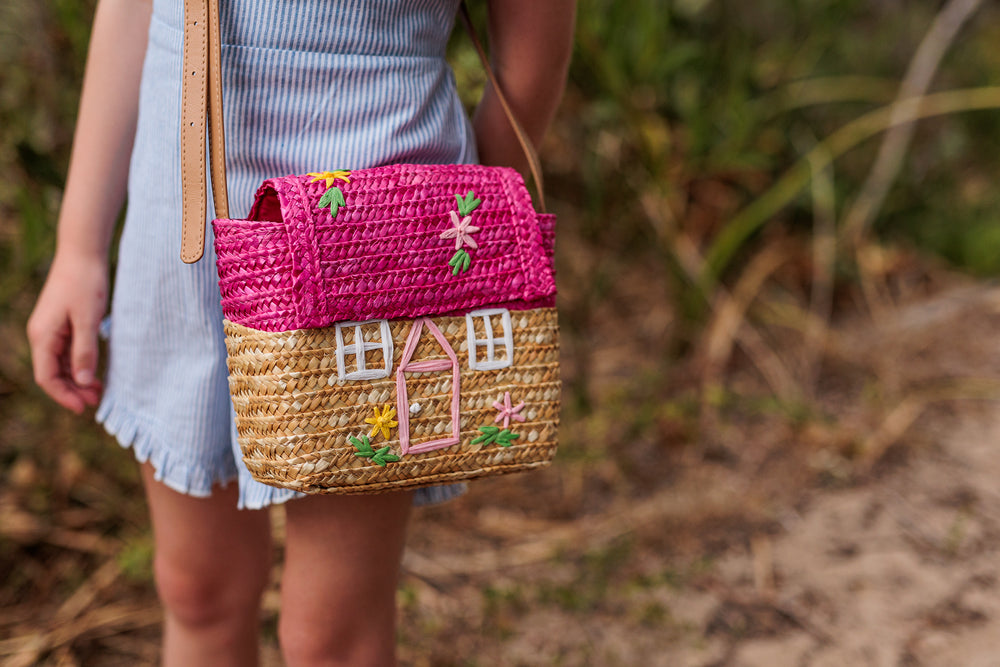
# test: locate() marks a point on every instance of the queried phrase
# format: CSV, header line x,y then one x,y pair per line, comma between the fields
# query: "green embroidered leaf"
x,y
489,435
382,456
334,199
460,261
493,434
364,446
485,438
467,204
504,438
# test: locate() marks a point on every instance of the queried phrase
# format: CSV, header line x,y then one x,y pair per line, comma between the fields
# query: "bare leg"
x,y
211,565
342,559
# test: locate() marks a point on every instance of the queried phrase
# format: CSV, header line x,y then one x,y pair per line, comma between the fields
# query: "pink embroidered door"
x,y
427,391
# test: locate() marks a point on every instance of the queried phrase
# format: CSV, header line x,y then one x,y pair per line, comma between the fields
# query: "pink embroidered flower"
x,y
506,412
461,230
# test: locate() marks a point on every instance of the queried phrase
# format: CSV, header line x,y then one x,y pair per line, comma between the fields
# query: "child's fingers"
x,y
68,395
90,395
47,351
63,330
83,352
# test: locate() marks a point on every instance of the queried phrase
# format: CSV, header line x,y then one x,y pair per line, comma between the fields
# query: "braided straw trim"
x,y
294,415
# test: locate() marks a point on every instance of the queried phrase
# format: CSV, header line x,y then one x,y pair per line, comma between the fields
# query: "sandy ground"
x,y
902,572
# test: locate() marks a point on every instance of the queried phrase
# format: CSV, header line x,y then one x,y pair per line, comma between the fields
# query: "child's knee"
x,y
353,639
208,596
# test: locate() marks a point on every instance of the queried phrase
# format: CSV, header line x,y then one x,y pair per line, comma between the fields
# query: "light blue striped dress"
x,y
309,85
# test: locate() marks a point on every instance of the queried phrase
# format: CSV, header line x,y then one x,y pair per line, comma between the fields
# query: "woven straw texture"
x,y
295,264
295,412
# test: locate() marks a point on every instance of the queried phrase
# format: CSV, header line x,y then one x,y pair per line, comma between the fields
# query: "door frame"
x,y
402,395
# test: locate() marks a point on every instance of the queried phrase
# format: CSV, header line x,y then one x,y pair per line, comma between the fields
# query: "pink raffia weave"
x,y
292,265
391,328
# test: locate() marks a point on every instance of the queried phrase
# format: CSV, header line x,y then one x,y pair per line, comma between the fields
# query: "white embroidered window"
x,y
364,350
491,341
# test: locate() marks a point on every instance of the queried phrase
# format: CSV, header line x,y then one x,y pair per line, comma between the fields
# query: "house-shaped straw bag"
x,y
387,328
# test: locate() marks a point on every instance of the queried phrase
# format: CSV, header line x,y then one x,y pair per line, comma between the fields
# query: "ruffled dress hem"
x,y
135,432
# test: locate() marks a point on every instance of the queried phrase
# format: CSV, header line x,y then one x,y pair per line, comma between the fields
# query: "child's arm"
x,y
531,42
62,329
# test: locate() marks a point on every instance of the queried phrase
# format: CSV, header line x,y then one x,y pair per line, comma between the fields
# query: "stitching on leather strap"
x,y
194,91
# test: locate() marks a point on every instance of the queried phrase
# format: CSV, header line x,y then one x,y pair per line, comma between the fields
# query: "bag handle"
x,y
201,90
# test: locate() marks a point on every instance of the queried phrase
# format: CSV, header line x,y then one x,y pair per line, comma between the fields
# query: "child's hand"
x,y
63,330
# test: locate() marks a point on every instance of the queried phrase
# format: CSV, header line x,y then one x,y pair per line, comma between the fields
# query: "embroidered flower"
x,y
506,412
461,230
330,176
382,422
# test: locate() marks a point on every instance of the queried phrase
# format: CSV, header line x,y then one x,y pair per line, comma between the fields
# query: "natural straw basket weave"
x,y
295,418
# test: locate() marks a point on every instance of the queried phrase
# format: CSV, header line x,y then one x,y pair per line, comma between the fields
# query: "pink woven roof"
x,y
294,265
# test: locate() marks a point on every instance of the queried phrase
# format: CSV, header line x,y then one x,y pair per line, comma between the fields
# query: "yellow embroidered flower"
x,y
382,422
330,176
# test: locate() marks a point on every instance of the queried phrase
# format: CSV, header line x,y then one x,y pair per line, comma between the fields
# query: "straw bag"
x,y
387,328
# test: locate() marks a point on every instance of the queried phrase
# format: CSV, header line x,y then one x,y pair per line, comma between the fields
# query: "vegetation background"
x,y
775,293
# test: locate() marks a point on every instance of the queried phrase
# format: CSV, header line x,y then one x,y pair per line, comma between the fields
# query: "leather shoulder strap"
x,y
194,94
201,91
217,134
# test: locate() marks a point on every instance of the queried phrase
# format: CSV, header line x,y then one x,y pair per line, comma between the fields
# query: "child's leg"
x,y
342,558
211,566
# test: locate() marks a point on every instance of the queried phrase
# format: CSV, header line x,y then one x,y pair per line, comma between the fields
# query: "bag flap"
x,y
389,242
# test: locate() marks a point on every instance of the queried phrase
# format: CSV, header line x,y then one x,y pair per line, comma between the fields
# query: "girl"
x,y
308,83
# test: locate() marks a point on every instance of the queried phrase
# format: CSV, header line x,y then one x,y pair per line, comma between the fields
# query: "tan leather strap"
x,y
217,134
201,91
194,100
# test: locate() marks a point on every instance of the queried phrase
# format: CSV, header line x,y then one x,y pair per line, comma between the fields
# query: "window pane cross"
x,y
360,346
490,341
